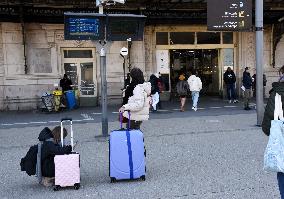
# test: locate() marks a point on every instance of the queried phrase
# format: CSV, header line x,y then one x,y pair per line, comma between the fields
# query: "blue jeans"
x,y
195,96
231,93
280,178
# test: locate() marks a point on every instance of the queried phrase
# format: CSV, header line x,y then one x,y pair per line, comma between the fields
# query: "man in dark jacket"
x,y
277,87
230,80
65,83
247,83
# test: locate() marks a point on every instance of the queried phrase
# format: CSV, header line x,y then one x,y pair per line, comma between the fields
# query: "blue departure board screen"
x,y
84,27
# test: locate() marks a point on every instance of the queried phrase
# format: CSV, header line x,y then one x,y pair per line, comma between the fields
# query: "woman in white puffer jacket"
x,y
138,99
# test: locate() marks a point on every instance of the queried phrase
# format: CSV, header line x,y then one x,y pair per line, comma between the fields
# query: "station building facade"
x,y
34,56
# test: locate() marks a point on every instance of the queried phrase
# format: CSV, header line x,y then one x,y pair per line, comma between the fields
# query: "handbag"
x,y
274,152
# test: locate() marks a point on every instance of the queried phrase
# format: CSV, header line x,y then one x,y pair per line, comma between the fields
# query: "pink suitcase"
x,y
67,167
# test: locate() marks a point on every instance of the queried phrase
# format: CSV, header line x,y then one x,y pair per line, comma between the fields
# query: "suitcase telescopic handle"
x,y
66,119
71,132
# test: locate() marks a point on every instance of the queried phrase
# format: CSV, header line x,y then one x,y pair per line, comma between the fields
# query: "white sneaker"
x,y
195,109
230,101
235,101
192,108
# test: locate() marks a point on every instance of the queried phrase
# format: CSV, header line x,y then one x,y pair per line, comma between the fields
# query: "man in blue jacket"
x,y
247,83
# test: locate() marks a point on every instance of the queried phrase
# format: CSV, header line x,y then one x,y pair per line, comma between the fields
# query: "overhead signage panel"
x,y
229,15
84,26
92,26
122,27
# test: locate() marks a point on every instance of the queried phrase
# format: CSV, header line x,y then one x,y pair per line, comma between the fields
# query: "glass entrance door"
x,y
79,64
204,61
87,86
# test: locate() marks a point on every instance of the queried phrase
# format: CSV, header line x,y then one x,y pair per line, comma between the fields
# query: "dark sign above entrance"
x,y
91,26
122,27
84,26
229,15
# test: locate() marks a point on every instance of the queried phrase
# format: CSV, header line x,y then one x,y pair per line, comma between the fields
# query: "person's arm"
x,y
225,77
234,77
54,149
137,102
268,114
200,83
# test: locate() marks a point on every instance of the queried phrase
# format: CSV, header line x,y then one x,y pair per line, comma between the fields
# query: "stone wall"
x,y
44,43
247,56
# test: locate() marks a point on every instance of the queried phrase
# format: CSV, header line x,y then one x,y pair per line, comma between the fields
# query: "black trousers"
x,y
134,124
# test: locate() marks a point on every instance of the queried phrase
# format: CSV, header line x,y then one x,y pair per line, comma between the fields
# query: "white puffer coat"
x,y
195,83
139,103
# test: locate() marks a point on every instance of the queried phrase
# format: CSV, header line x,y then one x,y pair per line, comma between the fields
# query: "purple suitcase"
x,y
126,155
67,167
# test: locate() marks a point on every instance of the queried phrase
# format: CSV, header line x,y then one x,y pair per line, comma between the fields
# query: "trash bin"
x,y
57,99
71,100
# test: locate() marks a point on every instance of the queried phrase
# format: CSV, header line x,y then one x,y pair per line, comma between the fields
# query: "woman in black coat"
x,y
277,87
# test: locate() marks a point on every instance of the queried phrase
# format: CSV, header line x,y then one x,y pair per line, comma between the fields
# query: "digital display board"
x,y
92,26
84,26
229,15
122,27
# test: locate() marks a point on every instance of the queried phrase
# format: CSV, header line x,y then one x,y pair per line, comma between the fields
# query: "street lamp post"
x,y
259,60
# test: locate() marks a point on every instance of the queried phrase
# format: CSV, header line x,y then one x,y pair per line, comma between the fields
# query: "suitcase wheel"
x,y
56,188
143,178
77,186
112,180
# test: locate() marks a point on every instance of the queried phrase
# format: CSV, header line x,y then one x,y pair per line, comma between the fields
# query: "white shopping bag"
x,y
274,152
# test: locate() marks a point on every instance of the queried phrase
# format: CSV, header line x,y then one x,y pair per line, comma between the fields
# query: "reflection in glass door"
x,y
87,86
71,71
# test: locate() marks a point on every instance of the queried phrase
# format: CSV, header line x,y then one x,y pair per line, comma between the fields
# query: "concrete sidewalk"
x,y
208,106
192,157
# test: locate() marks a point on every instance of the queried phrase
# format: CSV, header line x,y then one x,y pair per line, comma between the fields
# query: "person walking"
x,y
247,84
230,81
277,87
136,100
182,88
154,91
195,85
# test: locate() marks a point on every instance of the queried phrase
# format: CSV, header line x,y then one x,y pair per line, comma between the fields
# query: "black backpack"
x,y
28,163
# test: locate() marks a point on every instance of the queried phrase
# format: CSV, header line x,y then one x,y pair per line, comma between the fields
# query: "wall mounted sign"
x,y
229,15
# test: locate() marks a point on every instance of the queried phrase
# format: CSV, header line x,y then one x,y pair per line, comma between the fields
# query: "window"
x,y
78,54
208,38
182,38
227,37
162,38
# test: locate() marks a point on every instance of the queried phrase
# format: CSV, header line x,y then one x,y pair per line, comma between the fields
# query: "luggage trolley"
x,y
48,101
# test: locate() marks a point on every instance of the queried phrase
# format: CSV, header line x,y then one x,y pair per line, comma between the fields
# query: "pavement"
x,y
208,154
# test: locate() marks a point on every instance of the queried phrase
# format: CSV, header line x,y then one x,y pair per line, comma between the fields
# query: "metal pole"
x,y
124,71
104,92
259,60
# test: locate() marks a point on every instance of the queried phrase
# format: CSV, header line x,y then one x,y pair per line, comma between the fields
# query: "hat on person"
x,y
246,68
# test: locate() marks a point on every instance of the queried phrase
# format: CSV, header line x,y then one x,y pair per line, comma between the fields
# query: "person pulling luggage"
x,y
136,99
